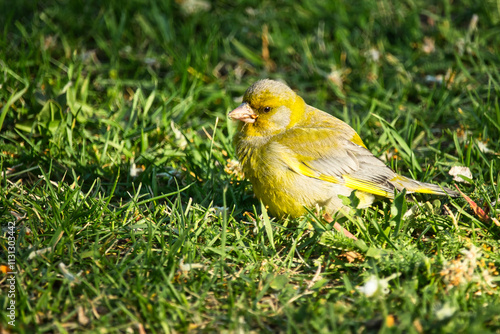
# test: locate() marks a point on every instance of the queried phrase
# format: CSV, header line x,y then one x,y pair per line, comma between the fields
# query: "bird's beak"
x,y
243,113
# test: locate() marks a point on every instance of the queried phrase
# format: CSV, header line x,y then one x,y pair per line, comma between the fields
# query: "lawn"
x,y
123,208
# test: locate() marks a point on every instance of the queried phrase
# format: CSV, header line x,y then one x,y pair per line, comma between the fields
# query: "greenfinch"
x,y
297,156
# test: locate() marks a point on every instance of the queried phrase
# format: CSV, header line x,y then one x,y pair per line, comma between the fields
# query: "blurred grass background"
x,y
114,151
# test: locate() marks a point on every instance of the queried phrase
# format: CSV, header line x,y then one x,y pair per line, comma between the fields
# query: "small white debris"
x,y
134,171
180,140
218,210
336,78
67,274
39,252
444,312
428,45
375,285
190,7
151,61
373,55
82,318
455,171
434,78
482,146
185,267
473,22
411,212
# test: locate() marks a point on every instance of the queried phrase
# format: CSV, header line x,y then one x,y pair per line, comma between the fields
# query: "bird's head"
x,y
269,107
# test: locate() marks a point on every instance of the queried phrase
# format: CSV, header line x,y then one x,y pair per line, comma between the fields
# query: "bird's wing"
x,y
323,154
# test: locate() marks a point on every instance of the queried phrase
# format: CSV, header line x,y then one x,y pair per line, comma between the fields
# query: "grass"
x,y
114,151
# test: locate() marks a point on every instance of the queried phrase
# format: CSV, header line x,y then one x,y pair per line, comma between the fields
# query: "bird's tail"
x,y
413,186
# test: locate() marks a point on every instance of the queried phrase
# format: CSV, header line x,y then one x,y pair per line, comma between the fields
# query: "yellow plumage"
x,y
298,156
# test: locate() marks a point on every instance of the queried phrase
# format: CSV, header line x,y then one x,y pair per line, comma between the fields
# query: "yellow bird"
x,y
297,156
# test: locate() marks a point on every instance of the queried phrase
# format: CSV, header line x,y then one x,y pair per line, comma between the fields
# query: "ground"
x,y
123,208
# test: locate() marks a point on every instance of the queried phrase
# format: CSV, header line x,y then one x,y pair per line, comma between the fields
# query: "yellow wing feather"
x,y
366,186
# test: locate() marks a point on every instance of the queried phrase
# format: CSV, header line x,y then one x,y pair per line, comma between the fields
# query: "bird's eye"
x,y
267,109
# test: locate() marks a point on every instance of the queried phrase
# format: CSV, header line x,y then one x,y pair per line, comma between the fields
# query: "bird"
x,y
297,156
